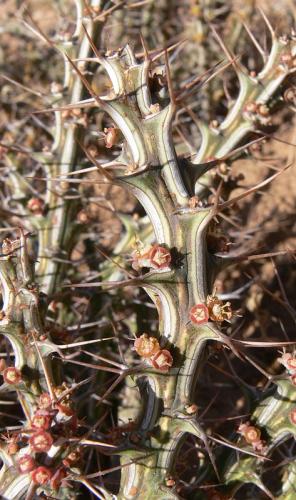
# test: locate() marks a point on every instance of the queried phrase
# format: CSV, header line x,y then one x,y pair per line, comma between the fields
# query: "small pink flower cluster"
x,y
252,436
148,347
214,309
289,362
154,257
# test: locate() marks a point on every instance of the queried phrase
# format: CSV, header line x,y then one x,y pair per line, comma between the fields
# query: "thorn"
x,y
207,80
168,49
252,343
119,467
268,255
37,30
271,136
94,169
234,200
27,89
87,103
110,284
99,167
255,42
169,80
145,48
204,438
102,358
65,179
226,51
185,140
90,41
85,82
281,285
93,367
259,368
102,17
216,200
241,450
272,32
82,343
116,263
46,374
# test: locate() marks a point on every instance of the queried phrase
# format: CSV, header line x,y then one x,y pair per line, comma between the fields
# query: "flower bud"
x,y
41,475
160,257
146,346
252,434
12,375
111,136
41,421
218,311
36,206
191,409
199,314
41,441
162,360
291,365
26,464
292,416
44,400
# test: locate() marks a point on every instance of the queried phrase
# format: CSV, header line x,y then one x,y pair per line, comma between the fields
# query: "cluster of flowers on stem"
x,y
214,309
252,435
152,257
148,348
50,416
258,112
289,361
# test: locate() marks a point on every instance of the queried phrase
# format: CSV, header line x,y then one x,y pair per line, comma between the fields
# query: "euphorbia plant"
x,y
190,315
177,267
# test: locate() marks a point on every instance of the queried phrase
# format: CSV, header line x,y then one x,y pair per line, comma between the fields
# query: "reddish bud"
x,y
293,416
251,107
111,136
71,459
162,360
41,441
218,311
263,110
287,58
170,482
154,108
83,217
146,346
291,364
41,475
66,409
12,375
41,421
252,434
193,202
26,464
199,314
57,478
191,409
36,206
160,257
12,448
44,400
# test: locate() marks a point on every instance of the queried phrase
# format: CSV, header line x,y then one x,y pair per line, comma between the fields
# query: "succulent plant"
x,y
175,254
